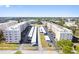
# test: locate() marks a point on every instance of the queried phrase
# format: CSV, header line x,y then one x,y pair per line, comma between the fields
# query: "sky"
x,y
39,10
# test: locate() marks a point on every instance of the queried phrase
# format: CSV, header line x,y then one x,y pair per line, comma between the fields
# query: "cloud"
x,y
7,6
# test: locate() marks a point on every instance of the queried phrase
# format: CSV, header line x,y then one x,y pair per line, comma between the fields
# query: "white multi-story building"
x,y
70,23
13,33
60,32
3,26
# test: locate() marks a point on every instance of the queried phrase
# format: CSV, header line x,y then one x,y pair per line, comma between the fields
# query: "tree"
x,y
1,36
77,21
67,49
65,45
77,48
64,42
67,27
18,21
61,21
18,52
73,28
39,20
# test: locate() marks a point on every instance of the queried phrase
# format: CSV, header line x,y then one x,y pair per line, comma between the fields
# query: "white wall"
x,y
14,33
60,33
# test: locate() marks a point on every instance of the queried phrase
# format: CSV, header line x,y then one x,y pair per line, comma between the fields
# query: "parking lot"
x,y
52,38
41,44
50,34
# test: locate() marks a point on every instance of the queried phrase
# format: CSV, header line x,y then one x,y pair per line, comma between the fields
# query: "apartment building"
x,y
70,24
13,33
60,32
3,26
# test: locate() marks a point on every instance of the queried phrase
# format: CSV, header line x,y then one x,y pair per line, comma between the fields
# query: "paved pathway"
x,y
39,42
7,51
38,52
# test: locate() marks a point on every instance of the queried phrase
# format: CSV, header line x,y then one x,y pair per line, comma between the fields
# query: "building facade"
x,y
13,33
60,32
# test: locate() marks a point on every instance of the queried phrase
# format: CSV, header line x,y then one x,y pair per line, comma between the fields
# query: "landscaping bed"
x,y
7,46
29,47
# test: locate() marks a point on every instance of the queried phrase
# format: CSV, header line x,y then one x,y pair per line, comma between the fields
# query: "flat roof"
x,y
61,28
15,26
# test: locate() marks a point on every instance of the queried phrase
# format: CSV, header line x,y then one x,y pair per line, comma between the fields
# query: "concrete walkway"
x,y
39,42
38,52
7,51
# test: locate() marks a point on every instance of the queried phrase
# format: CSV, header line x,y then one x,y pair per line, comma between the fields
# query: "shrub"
x,y
65,46
67,49
63,43
77,48
18,52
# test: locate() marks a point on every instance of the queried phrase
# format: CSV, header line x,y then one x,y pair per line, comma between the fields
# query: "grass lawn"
x,y
44,43
77,33
29,47
7,46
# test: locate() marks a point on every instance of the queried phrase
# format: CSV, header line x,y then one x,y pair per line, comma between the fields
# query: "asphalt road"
x,y
51,35
52,38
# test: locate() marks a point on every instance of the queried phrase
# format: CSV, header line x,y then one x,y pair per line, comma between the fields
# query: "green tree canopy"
x,y
67,49
18,52
77,48
73,28
63,43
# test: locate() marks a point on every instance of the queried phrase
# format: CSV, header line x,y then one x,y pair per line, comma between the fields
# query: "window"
x,y
10,41
15,41
68,34
10,36
15,36
9,32
15,31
